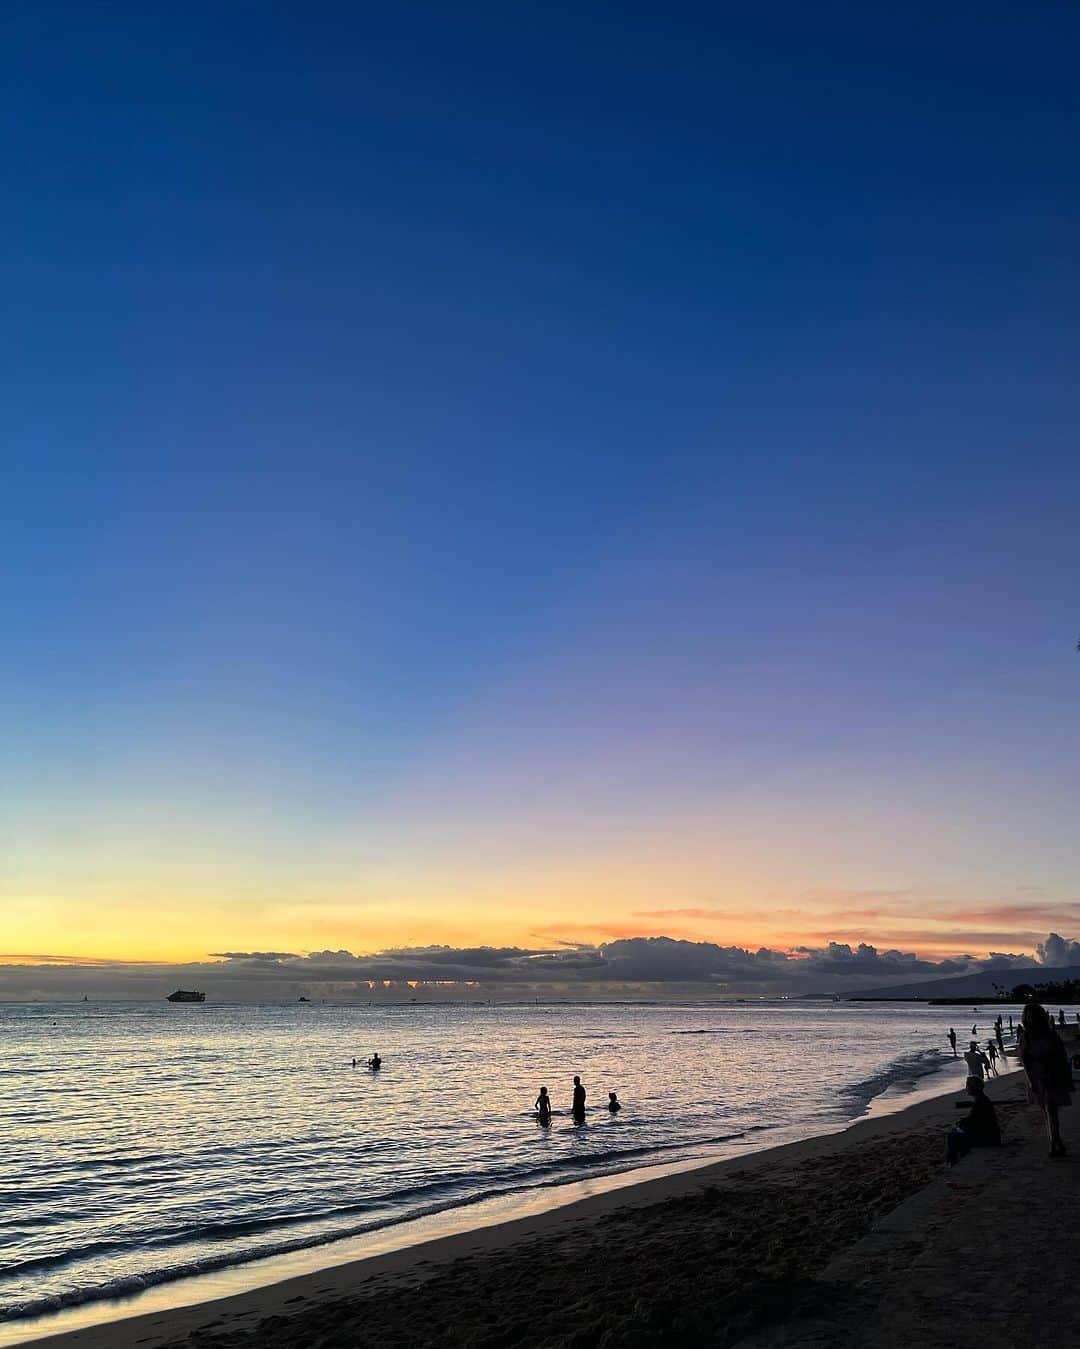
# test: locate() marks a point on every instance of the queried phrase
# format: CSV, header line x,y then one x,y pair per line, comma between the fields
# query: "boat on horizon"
x,y
186,995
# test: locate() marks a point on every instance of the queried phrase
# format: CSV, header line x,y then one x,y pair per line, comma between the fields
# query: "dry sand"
x,y
807,1244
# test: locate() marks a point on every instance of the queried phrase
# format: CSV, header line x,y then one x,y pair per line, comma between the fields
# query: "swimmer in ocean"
x,y
542,1106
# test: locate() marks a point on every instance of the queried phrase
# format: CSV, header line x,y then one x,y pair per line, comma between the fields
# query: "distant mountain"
x,y
978,987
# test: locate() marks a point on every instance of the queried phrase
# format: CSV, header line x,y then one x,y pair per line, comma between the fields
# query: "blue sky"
x,y
488,459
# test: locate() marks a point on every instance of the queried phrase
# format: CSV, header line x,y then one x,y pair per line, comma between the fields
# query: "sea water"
x,y
144,1143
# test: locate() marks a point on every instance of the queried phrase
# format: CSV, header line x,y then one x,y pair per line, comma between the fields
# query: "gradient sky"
x,y
509,474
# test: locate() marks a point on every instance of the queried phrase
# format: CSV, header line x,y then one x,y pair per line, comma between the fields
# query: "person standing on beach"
x,y
991,1053
999,1032
1048,1072
952,1041
976,1061
577,1109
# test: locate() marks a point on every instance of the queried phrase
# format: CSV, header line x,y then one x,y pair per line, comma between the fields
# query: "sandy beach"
x,y
802,1244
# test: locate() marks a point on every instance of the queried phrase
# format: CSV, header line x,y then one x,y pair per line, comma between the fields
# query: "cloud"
x,y
860,896
1039,915
1057,950
420,964
665,959
661,966
722,914
255,957
599,931
80,962
865,959
1005,960
933,939
633,959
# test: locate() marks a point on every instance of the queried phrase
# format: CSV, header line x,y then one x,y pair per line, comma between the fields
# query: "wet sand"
x,y
717,1256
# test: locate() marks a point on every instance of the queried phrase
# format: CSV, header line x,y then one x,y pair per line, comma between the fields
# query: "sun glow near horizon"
x,y
192,930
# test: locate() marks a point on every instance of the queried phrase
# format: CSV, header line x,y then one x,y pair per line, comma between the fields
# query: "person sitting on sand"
x,y
976,1061
577,1109
979,1130
542,1106
374,1063
1047,1066
613,1103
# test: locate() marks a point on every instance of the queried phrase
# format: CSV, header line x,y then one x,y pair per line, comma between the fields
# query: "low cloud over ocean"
x,y
632,966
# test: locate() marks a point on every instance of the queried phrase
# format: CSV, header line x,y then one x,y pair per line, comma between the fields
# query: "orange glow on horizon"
x,y
670,886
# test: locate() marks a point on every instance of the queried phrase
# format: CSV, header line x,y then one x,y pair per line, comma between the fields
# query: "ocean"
x,y
141,1144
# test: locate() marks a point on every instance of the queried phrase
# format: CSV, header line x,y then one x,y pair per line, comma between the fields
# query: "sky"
x,y
524,478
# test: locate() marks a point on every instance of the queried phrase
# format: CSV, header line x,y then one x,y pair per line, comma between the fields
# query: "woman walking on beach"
x,y
1048,1072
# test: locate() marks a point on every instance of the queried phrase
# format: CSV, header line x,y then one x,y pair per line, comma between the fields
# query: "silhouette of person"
x,y
577,1109
1061,1016
991,1054
979,1130
354,1063
1047,1067
613,1103
542,1106
976,1061
952,1041
974,1030
374,1063
999,1033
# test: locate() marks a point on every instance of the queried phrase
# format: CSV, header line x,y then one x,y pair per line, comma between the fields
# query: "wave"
x,y
907,1069
565,1170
